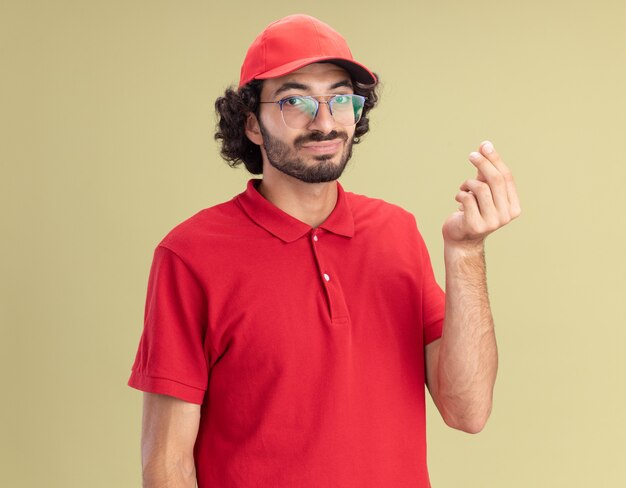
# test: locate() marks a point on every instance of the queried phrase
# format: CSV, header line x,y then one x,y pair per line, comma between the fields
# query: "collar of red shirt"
x,y
286,227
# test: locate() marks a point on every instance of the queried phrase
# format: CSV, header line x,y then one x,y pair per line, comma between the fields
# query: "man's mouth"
x,y
323,147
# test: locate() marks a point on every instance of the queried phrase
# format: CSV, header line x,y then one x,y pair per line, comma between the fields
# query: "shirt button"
x,y
315,238
326,277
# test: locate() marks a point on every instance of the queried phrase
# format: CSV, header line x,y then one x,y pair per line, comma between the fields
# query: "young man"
x,y
290,332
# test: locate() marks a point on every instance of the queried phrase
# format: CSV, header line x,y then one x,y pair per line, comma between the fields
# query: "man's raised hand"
x,y
487,202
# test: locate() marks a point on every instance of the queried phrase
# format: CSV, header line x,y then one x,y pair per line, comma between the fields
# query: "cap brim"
x,y
357,71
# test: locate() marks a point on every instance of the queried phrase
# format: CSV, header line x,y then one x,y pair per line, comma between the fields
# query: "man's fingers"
x,y
471,212
487,149
488,211
488,152
488,201
496,182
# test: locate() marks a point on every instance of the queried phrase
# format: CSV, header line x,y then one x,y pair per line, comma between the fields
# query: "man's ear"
x,y
253,131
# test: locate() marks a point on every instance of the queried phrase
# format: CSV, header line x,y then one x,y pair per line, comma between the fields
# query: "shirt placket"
x,y
335,300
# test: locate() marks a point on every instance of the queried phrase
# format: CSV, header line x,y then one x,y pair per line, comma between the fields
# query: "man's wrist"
x,y
465,261
464,250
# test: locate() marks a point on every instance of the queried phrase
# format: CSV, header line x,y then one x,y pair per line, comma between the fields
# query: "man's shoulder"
x,y
204,226
389,225
364,206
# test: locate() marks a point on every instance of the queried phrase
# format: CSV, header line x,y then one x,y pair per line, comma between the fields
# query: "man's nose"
x,y
324,122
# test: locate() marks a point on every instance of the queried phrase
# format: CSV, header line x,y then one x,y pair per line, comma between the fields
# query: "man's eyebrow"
x,y
347,83
291,85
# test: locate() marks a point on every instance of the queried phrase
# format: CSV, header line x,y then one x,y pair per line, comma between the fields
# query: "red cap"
x,y
295,41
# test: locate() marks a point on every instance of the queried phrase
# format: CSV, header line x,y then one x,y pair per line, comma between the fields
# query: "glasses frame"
x,y
317,102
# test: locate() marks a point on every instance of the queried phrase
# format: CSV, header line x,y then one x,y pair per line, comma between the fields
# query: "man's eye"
x,y
293,101
342,99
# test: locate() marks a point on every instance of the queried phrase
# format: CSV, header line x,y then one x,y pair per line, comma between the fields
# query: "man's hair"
x,y
232,111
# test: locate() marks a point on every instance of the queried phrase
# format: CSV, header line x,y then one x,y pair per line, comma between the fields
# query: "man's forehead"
x,y
316,75
322,69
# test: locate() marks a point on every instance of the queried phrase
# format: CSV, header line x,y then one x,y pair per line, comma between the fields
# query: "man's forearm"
x,y
468,357
169,475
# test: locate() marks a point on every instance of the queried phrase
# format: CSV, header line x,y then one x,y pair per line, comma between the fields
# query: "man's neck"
x,y
310,203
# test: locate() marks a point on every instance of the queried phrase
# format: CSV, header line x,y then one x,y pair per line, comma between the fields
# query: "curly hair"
x,y
233,108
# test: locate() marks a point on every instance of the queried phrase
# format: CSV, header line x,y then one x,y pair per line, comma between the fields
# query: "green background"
x,y
106,123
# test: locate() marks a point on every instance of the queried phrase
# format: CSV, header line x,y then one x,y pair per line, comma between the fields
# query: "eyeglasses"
x,y
299,111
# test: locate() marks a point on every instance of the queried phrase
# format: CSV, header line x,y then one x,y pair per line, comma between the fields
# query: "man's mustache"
x,y
319,137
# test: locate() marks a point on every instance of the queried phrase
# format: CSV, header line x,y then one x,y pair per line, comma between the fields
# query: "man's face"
x,y
319,152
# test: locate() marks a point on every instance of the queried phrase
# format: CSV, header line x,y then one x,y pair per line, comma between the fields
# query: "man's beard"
x,y
278,155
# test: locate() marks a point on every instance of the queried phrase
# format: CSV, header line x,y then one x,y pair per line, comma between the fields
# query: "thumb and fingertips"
x,y
485,149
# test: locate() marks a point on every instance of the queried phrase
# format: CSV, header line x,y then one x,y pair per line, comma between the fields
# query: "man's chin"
x,y
314,171
325,157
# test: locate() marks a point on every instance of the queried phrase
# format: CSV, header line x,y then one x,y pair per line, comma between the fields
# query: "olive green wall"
x,y
106,127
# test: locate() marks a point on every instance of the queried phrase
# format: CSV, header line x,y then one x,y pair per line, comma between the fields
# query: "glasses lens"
x,y
347,109
298,112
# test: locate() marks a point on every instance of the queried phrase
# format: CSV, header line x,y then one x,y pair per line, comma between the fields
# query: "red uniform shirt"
x,y
305,346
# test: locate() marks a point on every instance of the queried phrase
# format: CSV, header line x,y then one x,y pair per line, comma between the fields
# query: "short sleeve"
x,y
433,299
171,358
